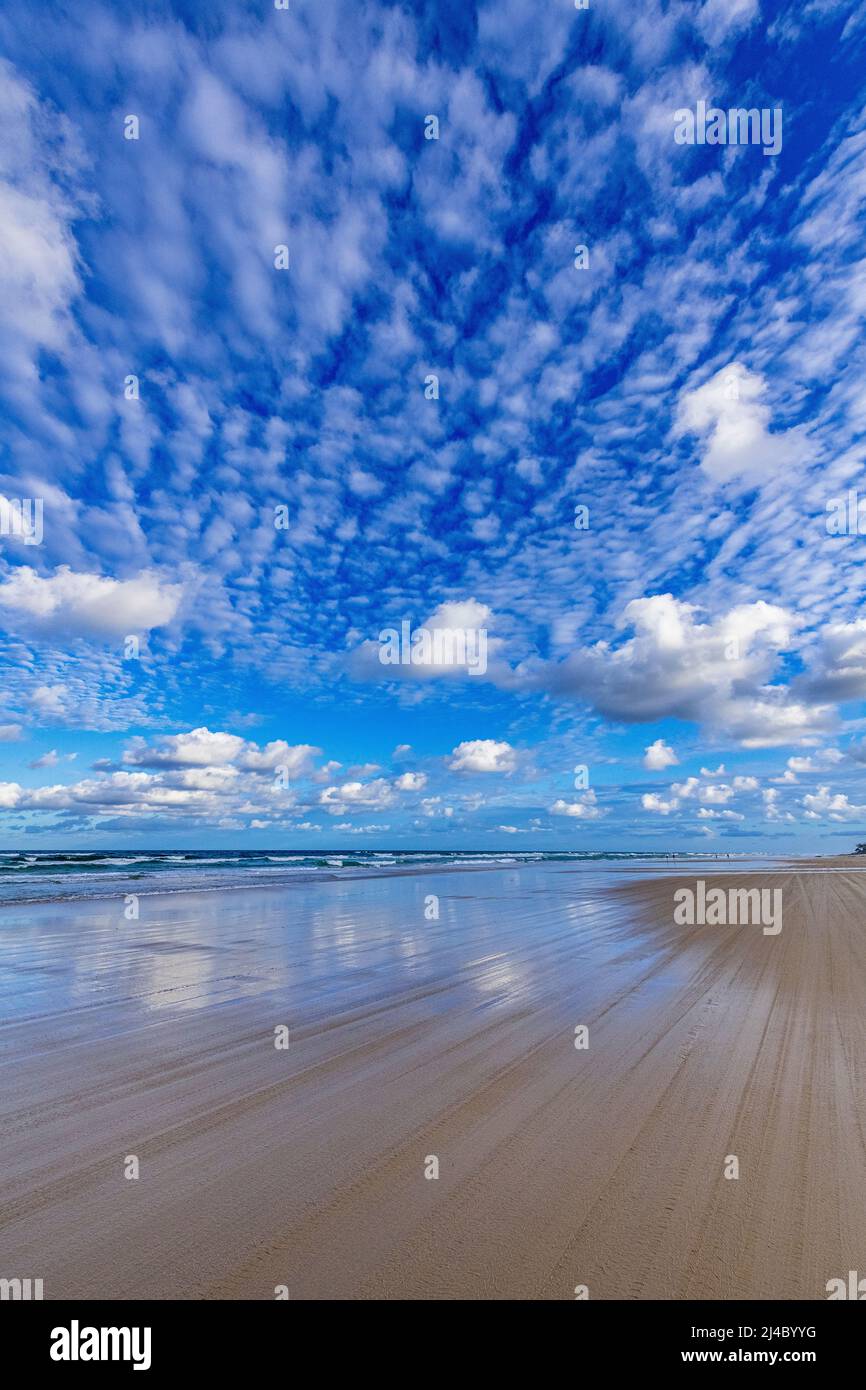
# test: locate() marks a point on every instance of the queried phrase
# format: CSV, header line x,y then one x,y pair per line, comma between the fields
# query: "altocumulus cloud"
x,y
698,388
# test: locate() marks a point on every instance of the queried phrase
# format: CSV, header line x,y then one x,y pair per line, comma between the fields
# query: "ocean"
x,y
49,875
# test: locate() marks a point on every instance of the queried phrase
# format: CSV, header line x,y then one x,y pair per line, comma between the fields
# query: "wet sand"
x,y
411,1038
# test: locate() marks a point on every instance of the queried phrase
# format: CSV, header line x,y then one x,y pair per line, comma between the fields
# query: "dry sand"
x,y
452,1038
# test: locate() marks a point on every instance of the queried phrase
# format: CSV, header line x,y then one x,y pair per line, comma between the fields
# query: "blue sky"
x,y
698,386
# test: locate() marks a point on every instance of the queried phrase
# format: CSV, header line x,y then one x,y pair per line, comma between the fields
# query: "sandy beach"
x,y
411,1038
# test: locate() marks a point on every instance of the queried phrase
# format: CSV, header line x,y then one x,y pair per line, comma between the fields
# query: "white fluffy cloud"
x,y
826,805
708,796
455,640
838,665
483,755
410,782
367,796
716,673
651,801
88,605
205,748
716,795
204,775
584,809
659,755
727,412
198,748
